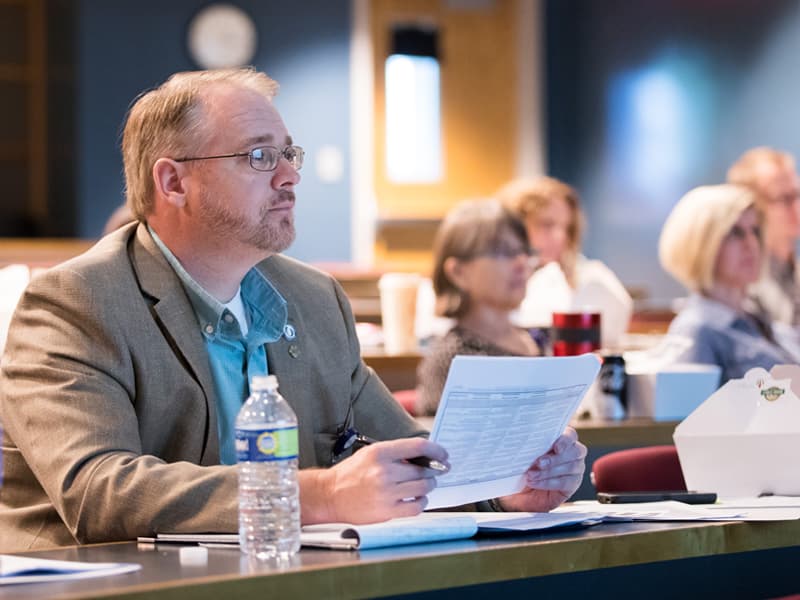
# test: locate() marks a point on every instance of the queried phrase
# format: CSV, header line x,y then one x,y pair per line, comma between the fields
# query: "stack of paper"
x,y
23,569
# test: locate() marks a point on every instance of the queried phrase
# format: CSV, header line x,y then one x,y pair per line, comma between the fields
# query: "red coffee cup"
x,y
575,333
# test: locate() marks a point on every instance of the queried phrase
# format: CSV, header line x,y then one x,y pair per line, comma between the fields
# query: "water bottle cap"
x,y
264,382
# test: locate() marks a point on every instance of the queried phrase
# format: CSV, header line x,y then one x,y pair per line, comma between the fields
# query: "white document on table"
x,y
497,415
26,569
764,508
665,510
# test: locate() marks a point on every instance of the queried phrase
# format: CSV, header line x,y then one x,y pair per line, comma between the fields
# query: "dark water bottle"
x,y
613,383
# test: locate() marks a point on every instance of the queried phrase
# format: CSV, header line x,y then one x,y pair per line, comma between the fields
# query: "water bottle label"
x,y
265,445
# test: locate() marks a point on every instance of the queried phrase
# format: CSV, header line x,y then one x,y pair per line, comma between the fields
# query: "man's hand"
x,y
375,484
552,478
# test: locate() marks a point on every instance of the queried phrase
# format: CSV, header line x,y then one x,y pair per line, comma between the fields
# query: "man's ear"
x,y
168,177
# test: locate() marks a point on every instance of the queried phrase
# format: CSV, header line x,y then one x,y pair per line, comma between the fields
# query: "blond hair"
x,y
168,122
750,168
526,198
470,229
694,231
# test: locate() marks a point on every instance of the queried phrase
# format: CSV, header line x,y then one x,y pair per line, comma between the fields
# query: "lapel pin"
x,y
289,332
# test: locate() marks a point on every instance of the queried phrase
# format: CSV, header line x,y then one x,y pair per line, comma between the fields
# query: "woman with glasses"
x,y
564,280
482,262
712,244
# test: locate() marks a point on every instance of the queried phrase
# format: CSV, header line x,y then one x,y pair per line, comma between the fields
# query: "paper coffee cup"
x,y
398,311
575,333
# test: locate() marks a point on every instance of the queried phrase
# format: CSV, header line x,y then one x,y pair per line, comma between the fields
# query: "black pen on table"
x,y
420,461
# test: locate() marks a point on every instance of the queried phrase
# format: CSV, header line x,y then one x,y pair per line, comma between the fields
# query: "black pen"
x,y
420,461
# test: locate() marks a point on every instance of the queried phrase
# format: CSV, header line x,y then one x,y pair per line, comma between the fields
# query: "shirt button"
x,y
209,329
228,318
294,351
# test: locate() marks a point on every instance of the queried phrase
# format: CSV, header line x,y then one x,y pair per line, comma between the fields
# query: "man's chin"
x,y
277,241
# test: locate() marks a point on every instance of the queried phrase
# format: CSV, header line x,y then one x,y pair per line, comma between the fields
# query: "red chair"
x,y
408,400
649,469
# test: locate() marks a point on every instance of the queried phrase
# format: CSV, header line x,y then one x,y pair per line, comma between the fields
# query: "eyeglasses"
x,y
740,233
263,158
508,252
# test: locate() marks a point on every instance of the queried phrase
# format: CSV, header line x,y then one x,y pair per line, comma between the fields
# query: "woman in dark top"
x,y
482,262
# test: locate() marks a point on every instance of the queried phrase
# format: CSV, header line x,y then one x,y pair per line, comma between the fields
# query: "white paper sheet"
x,y
497,415
765,508
531,521
24,569
667,510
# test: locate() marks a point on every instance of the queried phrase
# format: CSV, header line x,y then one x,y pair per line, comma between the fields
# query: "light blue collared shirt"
x,y
733,340
234,358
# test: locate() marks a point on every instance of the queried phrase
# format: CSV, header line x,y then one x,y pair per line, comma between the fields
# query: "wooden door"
x,y
478,62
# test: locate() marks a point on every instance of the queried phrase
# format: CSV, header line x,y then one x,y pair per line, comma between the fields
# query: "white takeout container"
x,y
743,441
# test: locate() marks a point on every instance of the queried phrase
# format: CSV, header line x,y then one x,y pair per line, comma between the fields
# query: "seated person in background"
x,y
711,243
126,367
772,176
564,280
482,261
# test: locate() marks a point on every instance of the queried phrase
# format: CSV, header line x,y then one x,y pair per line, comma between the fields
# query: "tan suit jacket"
x,y
109,407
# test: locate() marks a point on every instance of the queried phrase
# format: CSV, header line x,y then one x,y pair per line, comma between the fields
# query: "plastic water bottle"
x,y
266,451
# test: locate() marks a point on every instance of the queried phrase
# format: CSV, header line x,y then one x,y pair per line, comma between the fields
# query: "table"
x,y
40,252
690,559
397,371
625,433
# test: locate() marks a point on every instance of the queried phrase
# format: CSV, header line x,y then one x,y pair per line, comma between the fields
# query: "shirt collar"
x,y
718,314
265,305
782,270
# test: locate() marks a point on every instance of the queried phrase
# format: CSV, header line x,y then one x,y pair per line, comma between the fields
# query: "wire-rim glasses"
x,y
263,158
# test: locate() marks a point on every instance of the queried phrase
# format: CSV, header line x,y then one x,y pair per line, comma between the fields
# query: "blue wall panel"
x,y
649,99
125,47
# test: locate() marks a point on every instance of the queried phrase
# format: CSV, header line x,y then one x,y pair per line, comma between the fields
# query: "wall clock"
x,y
221,36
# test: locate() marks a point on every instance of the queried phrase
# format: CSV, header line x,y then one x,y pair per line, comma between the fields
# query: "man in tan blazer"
x,y
110,385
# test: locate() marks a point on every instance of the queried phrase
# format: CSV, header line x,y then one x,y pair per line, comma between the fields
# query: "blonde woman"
x,y
565,279
712,243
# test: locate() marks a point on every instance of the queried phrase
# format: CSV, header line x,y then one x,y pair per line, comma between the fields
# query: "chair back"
x,y
649,469
407,399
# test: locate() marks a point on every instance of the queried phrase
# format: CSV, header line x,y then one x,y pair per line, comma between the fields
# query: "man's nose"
x,y
285,175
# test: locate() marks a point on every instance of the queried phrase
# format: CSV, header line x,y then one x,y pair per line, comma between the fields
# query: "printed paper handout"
x,y
497,415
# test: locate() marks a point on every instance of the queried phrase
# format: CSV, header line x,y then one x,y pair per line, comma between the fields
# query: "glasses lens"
x,y
264,159
511,251
295,155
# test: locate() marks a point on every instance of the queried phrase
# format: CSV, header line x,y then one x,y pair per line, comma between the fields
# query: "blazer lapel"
x,y
177,320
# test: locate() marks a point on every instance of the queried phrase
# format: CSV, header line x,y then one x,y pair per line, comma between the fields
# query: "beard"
x,y
269,232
